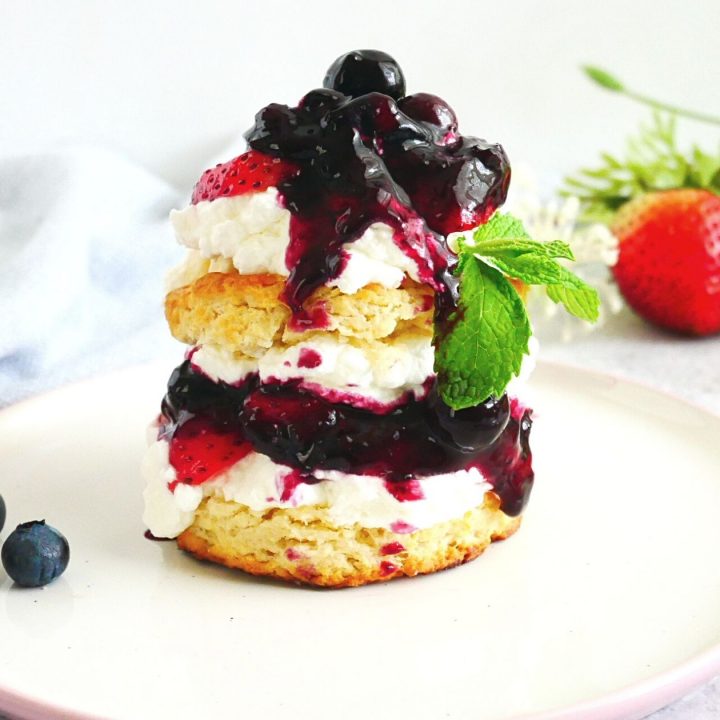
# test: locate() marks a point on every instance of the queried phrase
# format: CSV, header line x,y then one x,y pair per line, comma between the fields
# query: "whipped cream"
x,y
166,513
251,230
381,372
258,482
251,233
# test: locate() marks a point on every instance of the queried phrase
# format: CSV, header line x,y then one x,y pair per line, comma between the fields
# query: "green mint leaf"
x,y
480,347
509,248
504,233
577,297
558,249
487,337
500,225
603,78
535,263
583,302
531,269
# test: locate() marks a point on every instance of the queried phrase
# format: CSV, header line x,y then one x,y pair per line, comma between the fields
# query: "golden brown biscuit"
x,y
243,313
302,545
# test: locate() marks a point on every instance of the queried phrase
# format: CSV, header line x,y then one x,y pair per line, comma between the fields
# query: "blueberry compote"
x,y
357,151
367,153
298,428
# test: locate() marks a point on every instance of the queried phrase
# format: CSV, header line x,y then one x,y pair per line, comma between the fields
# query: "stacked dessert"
x,y
307,435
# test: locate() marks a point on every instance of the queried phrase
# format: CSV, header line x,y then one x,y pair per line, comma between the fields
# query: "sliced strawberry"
x,y
252,171
669,264
199,451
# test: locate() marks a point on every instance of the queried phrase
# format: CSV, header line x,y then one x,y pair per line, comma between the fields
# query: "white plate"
x,y
604,605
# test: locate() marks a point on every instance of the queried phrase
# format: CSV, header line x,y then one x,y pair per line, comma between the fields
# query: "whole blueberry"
x,y
372,113
364,71
2,513
318,102
429,109
471,429
34,554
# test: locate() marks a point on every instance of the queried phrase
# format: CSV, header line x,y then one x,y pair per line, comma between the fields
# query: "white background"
x,y
170,82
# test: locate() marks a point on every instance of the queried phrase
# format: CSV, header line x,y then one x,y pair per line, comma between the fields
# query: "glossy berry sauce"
x,y
356,152
215,424
361,151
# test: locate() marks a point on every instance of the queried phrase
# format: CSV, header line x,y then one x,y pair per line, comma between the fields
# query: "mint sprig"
x,y
488,337
480,347
535,264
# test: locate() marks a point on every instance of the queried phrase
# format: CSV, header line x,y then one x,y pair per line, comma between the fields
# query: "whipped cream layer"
x,y
259,483
375,374
251,233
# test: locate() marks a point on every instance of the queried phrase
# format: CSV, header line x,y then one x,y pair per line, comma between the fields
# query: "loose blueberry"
x,y
364,71
2,513
34,554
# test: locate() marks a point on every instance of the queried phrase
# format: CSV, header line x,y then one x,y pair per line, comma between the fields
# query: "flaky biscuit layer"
x,y
302,545
243,314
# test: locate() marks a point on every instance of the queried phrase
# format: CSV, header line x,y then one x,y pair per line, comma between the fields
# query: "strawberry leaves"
x,y
652,161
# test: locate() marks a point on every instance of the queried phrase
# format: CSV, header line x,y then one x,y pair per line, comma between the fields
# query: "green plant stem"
x,y
657,104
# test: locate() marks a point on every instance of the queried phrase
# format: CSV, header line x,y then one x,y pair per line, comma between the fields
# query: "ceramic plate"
x,y
604,605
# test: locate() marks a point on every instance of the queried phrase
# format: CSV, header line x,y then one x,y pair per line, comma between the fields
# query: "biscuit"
x,y
302,545
243,314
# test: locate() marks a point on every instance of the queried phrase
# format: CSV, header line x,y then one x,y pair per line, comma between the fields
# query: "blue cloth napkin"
x,y
84,245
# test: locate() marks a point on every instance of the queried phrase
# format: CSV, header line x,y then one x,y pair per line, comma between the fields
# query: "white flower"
x,y
594,246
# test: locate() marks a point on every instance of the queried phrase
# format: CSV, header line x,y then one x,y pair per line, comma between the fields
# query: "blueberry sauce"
x,y
401,527
297,428
309,358
149,536
368,153
291,482
405,490
358,151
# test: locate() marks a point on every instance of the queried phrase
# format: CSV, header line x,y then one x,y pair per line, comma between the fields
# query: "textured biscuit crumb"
x,y
302,544
244,314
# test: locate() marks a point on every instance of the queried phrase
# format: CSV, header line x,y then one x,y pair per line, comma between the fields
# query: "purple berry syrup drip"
x,y
369,153
297,428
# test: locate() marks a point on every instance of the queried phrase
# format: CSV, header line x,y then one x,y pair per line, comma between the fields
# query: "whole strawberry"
x,y
668,267
664,207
